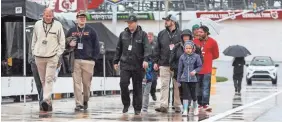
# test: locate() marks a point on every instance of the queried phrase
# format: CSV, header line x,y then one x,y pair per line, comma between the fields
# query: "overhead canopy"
x,y
105,35
19,8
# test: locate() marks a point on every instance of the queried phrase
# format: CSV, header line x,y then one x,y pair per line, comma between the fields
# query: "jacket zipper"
x,y
188,70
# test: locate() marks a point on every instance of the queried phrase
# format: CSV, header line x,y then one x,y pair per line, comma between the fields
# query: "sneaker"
x,y
154,97
85,105
50,108
46,107
161,109
40,108
78,108
137,112
145,110
177,110
207,108
185,113
200,107
125,109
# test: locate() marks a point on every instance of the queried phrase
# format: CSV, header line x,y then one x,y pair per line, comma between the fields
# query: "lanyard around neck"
x,y
45,26
81,33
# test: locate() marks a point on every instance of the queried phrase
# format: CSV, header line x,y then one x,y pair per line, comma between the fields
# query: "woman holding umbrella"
x,y
238,52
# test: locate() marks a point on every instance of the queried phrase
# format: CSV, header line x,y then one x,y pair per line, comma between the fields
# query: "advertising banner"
x,y
120,16
266,15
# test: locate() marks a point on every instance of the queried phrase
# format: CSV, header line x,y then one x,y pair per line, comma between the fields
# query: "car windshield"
x,y
262,62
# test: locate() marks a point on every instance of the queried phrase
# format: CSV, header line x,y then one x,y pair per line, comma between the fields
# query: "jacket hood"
x,y
191,44
186,32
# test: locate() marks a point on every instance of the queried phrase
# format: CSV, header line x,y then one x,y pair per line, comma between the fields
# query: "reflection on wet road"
x,y
253,93
108,108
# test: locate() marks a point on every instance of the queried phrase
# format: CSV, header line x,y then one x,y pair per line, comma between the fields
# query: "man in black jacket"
x,y
132,52
86,50
167,38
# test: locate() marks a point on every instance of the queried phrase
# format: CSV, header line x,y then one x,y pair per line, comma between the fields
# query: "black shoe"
x,y
154,97
125,109
78,108
85,105
177,110
161,109
137,112
46,107
40,107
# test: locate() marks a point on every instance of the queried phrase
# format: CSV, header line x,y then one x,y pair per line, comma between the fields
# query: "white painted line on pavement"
x,y
224,114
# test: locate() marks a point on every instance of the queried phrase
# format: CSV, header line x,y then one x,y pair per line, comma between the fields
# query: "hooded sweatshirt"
x,y
188,63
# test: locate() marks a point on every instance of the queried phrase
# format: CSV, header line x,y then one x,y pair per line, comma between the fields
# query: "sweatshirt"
x,y
89,40
48,44
209,52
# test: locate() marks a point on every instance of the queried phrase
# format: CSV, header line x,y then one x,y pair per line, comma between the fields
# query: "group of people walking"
x,y
182,57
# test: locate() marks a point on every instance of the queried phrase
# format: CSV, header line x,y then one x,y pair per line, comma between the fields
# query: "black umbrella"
x,y
236,51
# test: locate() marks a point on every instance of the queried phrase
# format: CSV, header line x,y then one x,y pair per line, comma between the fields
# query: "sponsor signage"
x,y
69,5
115,1
266,15
121,16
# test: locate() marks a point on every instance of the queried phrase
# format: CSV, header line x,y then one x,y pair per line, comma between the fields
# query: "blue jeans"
x,y
146,88
204,90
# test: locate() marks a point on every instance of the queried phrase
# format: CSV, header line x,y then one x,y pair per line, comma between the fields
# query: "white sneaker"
x,y
185,113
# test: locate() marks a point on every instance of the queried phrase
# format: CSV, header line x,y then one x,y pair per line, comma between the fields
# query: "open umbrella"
x,y
214,27
236,51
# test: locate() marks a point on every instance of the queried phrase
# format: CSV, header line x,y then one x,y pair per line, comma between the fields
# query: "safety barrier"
x,y
14,86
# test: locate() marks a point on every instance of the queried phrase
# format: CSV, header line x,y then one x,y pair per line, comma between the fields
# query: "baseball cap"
x,y
131,18
81,13
205,29
194,27
170,17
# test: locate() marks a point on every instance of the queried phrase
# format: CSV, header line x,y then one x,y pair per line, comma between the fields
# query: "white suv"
x,y
262,68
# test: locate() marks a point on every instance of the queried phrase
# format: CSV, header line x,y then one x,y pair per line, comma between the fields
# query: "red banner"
x,y
75,5
266,15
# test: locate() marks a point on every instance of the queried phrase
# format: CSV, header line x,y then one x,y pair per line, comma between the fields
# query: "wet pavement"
x,y
260,111
109,108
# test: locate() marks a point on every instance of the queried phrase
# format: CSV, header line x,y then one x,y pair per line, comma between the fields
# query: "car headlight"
x,y
271,69
251,69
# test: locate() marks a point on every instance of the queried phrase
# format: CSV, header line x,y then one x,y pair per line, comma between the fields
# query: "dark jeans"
x,y
37,81
189,90
153,88
204,81
137,77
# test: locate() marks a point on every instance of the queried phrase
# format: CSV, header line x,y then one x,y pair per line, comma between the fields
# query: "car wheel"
x,y
274,81
249,81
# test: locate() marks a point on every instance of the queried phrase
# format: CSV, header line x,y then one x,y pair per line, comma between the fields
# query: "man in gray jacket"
x,y
167,38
